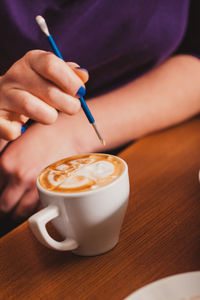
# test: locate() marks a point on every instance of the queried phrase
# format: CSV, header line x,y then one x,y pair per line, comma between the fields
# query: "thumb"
x,y
10,126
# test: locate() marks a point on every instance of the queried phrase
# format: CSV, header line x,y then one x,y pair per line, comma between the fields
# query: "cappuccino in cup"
x,y
85,197
81,173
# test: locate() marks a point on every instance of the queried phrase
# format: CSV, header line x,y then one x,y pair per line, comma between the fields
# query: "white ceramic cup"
x,y
89,221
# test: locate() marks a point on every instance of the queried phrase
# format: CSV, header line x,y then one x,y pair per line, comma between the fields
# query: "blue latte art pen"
x,y
81,92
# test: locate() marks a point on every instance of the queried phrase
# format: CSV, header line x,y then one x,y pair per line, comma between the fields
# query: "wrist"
x,y
83,136
79,133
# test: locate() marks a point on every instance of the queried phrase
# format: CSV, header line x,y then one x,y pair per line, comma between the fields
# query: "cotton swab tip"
x,y
42,24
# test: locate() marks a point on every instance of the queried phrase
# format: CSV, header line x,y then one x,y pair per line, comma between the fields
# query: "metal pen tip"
x,y
98,134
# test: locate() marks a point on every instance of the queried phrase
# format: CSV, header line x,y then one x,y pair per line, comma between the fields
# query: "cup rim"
x,y
75,194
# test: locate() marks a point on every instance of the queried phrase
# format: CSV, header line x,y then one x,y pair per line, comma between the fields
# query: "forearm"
x,y
163,97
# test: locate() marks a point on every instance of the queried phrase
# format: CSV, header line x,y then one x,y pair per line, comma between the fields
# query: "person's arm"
x,y
165,96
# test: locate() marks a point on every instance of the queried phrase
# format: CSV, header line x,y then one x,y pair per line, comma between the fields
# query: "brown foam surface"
x,y
53,179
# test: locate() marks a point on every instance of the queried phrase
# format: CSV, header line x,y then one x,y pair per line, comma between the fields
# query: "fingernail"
x,y
80,68
81,91
23,129
26,125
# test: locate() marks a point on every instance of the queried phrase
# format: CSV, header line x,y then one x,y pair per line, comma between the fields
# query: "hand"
x,y
23,160
35,87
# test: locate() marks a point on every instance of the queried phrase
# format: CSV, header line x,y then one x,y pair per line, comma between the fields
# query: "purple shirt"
x,y
115,40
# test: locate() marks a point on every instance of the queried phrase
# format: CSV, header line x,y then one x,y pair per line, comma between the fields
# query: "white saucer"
x,y
178,287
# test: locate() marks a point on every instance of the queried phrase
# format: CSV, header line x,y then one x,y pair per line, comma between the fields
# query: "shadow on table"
x,y
6,225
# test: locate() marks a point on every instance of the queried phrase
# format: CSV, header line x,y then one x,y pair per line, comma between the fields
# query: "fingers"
x,y
17,203
3,144
44,112
27,104
48,80
54,69
9,130
26,205
36,87
60,100
81,72
10,197
10,127
46,91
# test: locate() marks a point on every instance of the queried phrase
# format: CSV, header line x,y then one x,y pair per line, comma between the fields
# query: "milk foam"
x,y
84,173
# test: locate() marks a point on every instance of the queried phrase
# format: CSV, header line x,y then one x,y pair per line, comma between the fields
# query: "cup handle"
x,y
38,222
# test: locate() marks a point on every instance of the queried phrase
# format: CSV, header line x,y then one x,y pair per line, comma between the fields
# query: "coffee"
x,y
85,197
81,173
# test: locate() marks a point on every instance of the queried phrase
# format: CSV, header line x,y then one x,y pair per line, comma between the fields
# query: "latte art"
x,y
81,173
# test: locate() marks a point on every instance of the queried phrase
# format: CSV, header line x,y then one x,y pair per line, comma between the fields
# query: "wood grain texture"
x,y
160,234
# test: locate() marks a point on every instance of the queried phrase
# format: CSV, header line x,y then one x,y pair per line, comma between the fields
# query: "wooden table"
x,y
160,234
